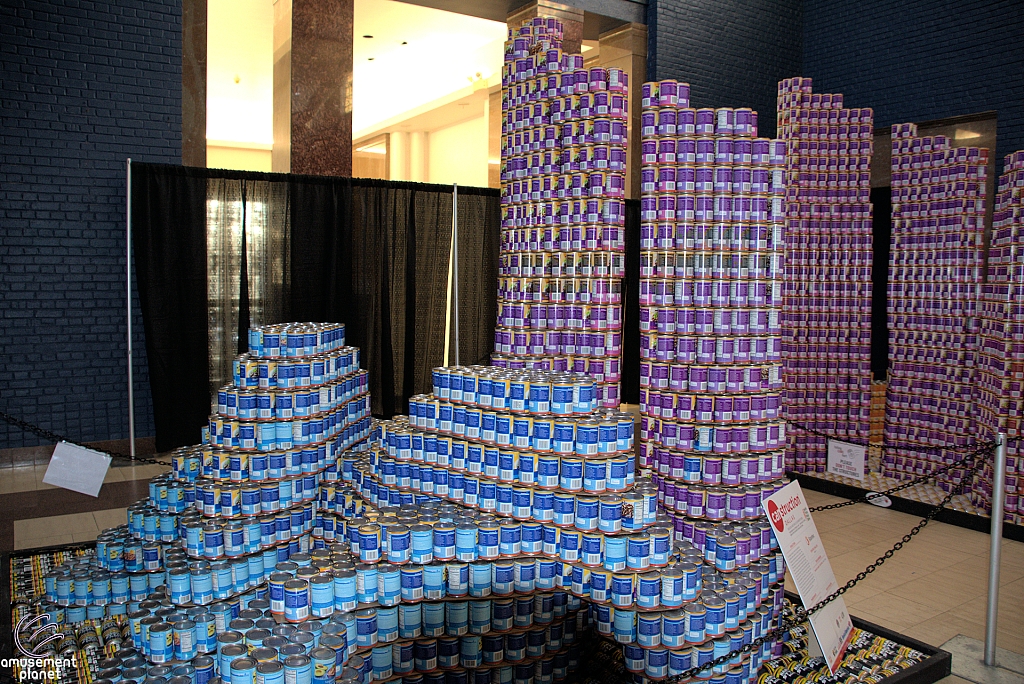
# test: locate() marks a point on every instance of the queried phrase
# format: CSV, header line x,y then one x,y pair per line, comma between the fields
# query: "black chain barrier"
x,y
870,496
884,446
54,437
801,615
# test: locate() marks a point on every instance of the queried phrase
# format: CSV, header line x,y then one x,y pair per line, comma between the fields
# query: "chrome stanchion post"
x,y
995,549
128,281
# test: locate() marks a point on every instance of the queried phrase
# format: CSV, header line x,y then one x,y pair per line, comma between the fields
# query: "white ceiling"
x,y
444,52
240,45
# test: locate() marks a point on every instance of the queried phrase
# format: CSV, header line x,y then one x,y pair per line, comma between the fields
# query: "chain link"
x,y
54,437
801,615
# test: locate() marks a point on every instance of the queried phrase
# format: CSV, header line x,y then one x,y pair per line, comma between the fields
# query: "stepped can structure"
x,y
827,310
935,278
230,568
563,164
1001,357
711,434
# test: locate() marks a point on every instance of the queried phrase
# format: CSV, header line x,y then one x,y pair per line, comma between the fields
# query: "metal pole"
x,y
128,280
455,267
995,549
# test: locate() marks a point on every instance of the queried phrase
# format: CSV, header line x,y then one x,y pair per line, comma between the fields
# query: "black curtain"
x,y
371,254
169,244
881,200
479,246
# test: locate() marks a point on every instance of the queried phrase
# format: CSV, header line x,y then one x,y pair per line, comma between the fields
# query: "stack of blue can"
x,y
193,570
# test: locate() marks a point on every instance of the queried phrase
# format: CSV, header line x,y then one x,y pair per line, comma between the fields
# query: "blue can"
x,y
466,542
422,544
366,628
638,551
615,553
480,579
548,471
433,581
620,474
488,541
433,619
412,583
457,617
673,629
624,626
502,577
510,538
161,642
543,506
366,583
296,600
387,624
564,510
648,590
526,468
587,511
410,621
389,585
695,615
298,669
648,630
532,537
444,541
457,579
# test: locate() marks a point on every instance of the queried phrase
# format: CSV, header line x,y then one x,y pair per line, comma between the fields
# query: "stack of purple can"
x,y
563,176
827,315
1001,356
935,269
711,270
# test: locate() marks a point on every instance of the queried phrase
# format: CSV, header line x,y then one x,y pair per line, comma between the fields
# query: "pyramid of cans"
x,y
563,165
935,274
827,311
1001,355
539,499
224,572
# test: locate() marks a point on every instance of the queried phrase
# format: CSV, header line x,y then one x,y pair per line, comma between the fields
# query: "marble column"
x,y
313,87
625,48
193,82
571,18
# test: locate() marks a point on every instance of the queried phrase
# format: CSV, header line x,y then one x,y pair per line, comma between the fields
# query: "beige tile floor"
x,y
64,529
29,478
932,590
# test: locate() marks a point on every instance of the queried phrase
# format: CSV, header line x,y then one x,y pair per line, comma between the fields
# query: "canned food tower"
x,y
563,165
222,572
522,511
827,306
1001,356
711,431
935,277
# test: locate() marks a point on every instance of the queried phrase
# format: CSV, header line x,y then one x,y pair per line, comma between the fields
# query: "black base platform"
x,y
958,518
936,666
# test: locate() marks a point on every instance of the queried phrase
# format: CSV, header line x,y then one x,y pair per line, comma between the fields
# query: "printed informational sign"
x,y
846,459
77,468
808,565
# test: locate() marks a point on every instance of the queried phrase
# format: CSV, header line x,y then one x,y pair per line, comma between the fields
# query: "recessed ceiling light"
x,y
367,36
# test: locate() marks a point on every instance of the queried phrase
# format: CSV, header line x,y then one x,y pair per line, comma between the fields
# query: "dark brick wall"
x,y
918,60
732,53
83,86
